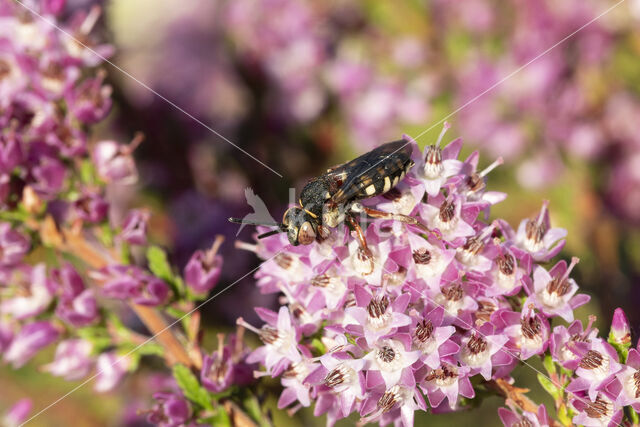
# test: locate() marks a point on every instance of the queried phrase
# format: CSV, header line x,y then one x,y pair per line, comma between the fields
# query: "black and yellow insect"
x,y
331,198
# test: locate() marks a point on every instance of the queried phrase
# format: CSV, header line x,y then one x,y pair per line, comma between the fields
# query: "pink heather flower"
x,y
110,369
436,165
472,255
91,207
28,341
397,404
131,282
432,339
376,316
13,246
226,366
563,338
528,332
72,360
202,272
625,387
49,176
344,375
39,295
295,383
507,275
390,358
474,185
114,162
620,332
446,217
280,343
17,414
481,350
536,237
511,418
600,412
449,381
553,291
171,409
598,363
134,227
77,304
90,101
430,260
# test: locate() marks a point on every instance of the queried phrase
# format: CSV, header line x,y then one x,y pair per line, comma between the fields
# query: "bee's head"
x,y
300,226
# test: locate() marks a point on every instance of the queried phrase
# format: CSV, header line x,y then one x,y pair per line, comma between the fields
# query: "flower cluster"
x,y
421,314
564,106
53,181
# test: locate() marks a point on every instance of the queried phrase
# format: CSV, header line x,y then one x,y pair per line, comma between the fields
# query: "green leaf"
x,y
318,347
252,407
158,263
87,172
549,365
191,387
549,386
159,266
219,418
97,336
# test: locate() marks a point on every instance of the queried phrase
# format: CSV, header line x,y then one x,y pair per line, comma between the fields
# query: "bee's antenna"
x,y
271,233
242,221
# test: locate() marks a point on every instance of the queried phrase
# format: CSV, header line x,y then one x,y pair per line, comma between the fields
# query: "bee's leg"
x,y
374,213
323,233
360,234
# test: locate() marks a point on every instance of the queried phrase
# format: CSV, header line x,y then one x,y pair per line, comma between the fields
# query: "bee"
x,y
333,197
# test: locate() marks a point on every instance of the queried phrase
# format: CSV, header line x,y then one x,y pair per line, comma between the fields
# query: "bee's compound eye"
x,y
306,235
292,235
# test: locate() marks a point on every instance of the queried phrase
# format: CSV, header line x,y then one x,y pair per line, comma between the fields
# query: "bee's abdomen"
x,y
382,178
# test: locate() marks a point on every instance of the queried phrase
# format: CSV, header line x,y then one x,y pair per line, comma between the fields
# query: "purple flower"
x,y
28,341
202,272
626,387
599,412
448,380
90,101
553,291
390,358
110,369
227,366
114,162
562,339
447,218
91,207
17,414
513,419
528,332
436,164
345,377
280,342
377,316
39,296
130,282
536,237
134,227
432,339
598,363
620,332
72,360
77,304
171,410
13,246
481,351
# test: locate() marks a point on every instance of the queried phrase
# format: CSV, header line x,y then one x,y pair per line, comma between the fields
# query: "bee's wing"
x,y
388,160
